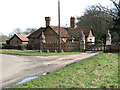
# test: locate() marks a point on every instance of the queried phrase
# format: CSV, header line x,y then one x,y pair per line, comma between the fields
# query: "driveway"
x,y
15,68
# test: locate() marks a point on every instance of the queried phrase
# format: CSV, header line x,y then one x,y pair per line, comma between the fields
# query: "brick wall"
x,y
34,41
15,41
50,36
65,46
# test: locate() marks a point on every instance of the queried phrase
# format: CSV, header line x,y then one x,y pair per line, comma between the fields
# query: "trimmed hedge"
x,y
18,47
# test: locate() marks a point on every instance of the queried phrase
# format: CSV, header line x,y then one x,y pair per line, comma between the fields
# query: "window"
x,y
24,38
17,41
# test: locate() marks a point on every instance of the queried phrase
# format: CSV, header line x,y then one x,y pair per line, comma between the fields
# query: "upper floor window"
x,y
24,38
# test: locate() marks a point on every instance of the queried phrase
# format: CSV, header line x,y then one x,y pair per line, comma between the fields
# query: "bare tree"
x,y
97,18
116,4
16,31
116,27
29,30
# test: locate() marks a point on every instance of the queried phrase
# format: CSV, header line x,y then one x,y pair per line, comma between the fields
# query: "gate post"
x,y
82,42
108,41
42,41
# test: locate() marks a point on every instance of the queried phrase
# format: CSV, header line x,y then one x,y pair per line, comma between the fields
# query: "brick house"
x,y
70,34
18,39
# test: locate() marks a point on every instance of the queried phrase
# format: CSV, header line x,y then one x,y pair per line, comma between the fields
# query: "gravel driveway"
x,y
16,68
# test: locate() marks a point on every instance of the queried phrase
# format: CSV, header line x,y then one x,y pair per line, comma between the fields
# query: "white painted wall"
x,y
91,39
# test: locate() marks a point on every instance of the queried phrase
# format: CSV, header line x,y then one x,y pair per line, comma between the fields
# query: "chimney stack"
x,y
72,22
47,19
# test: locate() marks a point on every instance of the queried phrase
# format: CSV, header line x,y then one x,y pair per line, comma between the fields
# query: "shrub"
x,y
18,47
29,47
99,41
5,46
21,47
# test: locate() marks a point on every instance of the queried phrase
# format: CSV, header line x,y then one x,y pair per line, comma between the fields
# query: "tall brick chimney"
x,y
47,19
72,22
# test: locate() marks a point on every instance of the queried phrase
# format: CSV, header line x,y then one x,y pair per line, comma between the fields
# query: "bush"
x,y
21,47
29,47
7,46
99,41
18,47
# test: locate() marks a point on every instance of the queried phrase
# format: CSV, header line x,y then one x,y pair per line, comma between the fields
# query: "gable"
x,y
49,31
90,33
36,33
54,30
22,38
85,31
15,40
14,36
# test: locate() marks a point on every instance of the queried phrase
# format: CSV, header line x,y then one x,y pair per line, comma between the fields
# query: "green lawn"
x,y
96,72
34,53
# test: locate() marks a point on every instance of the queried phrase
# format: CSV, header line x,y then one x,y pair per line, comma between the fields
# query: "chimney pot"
x,y
47,19
72,22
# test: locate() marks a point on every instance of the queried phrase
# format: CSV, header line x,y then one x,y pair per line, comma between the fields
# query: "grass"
x,y
2,43
34,53
100,71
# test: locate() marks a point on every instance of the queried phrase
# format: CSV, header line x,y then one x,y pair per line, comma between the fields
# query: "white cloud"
x,y
30,13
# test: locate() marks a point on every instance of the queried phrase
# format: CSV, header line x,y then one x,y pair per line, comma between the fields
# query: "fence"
x,y
69,46
113,48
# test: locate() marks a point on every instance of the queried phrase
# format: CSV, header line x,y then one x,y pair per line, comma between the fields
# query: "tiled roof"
x,y
71,32
86,31
63,32
36,33
23,37
77,31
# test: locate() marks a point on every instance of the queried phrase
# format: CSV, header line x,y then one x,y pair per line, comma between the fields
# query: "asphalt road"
x,y
15,68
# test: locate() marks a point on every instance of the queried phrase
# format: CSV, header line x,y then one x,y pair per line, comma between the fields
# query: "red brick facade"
x,y
18,39
52,35
15,41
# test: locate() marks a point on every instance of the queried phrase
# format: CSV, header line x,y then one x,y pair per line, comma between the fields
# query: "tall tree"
x,y
116,4
97,18
16,31
29,30
116,27
3,38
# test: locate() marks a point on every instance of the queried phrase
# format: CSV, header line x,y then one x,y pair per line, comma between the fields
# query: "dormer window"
x,y
23,38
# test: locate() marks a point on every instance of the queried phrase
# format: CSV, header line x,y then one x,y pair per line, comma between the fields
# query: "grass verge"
x,y
34,53
96,72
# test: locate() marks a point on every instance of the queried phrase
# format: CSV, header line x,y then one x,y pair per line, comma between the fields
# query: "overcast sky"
x,y
31,13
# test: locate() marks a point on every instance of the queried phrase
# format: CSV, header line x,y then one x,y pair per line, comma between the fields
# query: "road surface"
x,y
15,68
